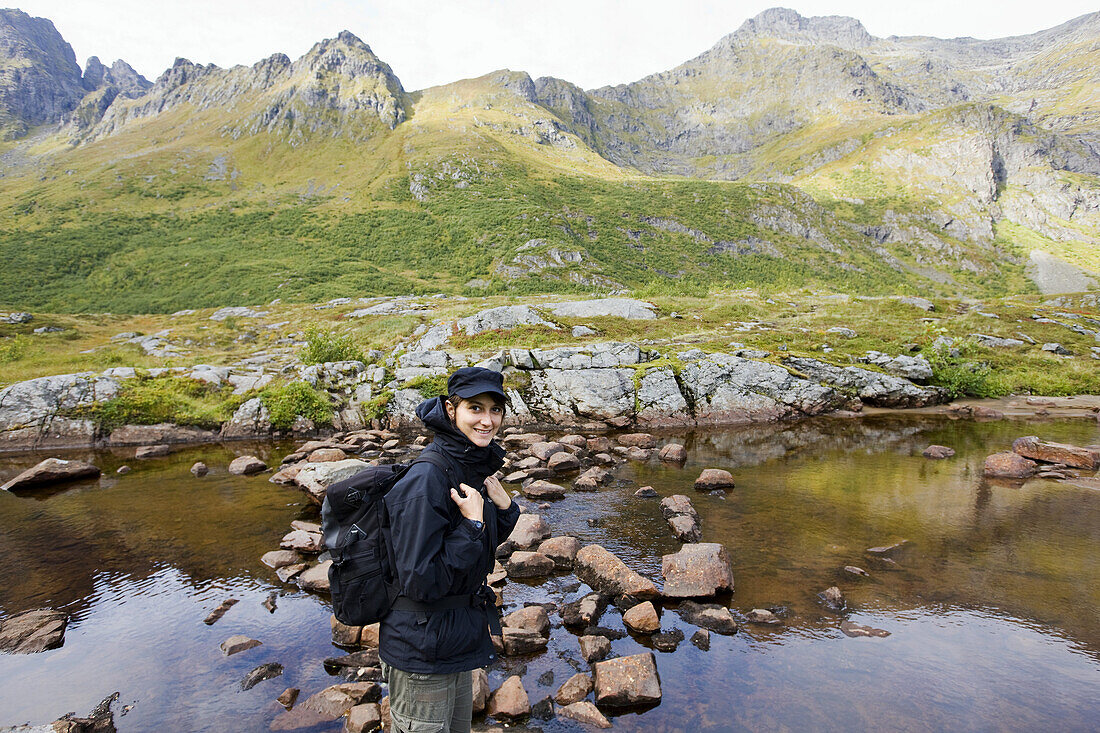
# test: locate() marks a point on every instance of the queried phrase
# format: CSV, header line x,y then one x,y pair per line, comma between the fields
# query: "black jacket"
x,y
438,553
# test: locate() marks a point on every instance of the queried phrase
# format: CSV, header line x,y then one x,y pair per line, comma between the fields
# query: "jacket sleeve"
x,y
506,521
428,555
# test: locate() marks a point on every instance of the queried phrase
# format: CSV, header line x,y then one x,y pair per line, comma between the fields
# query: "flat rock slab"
x,y
52,471
605,572
627,681
33,631
302,541
332,702
522,641
637,440
563,463
237,644
938,452
542,490
280,558
526,564
152,451
218,612
673,453
531,618
857,630
710,616
316,578
562,550
1074,456
697,570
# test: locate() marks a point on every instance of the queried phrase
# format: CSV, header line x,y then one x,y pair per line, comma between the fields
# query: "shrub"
x,y
323,345
428,386
12,349
959,376
286,402
375,408
150,400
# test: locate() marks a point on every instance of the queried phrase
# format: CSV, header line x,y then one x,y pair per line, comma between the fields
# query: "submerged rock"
x,y
832,598
938,452
857,630
218,612
709,616
762,616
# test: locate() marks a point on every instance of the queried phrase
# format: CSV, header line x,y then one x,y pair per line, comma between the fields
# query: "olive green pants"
x,y
430,703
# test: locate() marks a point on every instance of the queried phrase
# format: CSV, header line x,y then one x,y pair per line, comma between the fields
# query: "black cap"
x,y
471,381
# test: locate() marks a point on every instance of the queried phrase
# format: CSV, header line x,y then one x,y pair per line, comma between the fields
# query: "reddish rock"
x,y
52,471
832,598
585,712
302,541
363,718
337,700
577,441
522,641
591,479
685,528
1008,465
543,451
531,618
152,451
605,572
697,570
313,527
529,531
646,492
599,444
499,574
563,463
523,440
585,611
673,453
938,452
524,564
481,690
238,643
280,558
289,572
34,631
714,478
594,648
642,619
627,681
986,413
575,689
509,701
634,453
246,466
344,635
326,455
369,638
637,440
710,616
316,578
562,550
540,490
288,697
1070,455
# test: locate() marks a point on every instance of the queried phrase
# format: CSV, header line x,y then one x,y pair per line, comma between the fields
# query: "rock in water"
x,y
199,469
832,598
594,648
575,689
608,574
938,452
1070,455
857,630
1008,465
218,612
51,471
246,465
261,673
238,643
585,712
33,631
627,681
697,570
510,700
562,550
714,478
762,616
642,619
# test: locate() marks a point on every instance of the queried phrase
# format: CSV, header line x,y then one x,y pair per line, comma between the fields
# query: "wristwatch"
x,y
478,525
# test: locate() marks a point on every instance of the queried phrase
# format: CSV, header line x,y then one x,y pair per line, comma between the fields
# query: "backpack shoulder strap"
x,y
439,462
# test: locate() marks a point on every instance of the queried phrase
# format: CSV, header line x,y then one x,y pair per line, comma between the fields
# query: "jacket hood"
x,y
433,414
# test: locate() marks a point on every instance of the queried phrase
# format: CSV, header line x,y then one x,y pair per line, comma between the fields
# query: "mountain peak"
x,y
787,25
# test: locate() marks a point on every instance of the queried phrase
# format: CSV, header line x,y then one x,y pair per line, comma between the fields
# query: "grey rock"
x,y
33,631
236,312
995,342
237,644
503,317
617,307
51,471
876,389
259,674
915,368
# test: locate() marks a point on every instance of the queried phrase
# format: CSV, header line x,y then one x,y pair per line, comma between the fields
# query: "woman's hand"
x,y
469,502
497,493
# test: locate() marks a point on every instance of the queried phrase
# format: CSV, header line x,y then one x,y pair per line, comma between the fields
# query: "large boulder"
x,y
627,681
503,317
246,465
873,388
51,471
714,478
660,400
1071,455
1008,465
33,631
32,412
251,420
608,574
530,618
697,570
572,396
530,530
628,308
914,368
562,550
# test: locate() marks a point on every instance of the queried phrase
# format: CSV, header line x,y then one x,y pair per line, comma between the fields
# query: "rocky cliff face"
x,y
39,78
339,87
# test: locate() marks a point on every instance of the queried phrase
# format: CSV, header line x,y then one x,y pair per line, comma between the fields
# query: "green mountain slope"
x,y
323,178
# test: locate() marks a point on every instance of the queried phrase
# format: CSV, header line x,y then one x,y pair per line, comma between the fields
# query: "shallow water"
x,y
993,611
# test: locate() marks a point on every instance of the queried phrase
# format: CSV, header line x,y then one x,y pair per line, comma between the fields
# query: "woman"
x,y
444,538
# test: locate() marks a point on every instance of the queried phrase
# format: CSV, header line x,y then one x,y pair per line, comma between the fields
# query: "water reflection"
x,y
991,605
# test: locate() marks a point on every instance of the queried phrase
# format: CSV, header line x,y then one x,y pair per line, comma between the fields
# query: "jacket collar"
x,y
433,413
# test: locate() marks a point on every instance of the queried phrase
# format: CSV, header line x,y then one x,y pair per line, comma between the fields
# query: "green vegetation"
x,y
428,386
960,376
165,399
286,402
324,345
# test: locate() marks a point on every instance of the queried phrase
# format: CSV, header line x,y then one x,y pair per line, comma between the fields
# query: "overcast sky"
x,y
588,42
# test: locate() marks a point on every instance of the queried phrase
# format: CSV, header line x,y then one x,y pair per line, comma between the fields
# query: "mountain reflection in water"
x,y
992,608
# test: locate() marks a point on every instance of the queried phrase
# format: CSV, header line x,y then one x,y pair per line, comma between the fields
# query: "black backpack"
x,y
355,528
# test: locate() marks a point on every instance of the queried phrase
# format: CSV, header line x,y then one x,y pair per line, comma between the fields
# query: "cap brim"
x,y
473,390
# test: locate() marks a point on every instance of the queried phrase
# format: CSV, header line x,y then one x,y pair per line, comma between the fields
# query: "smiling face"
x,y
478,418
